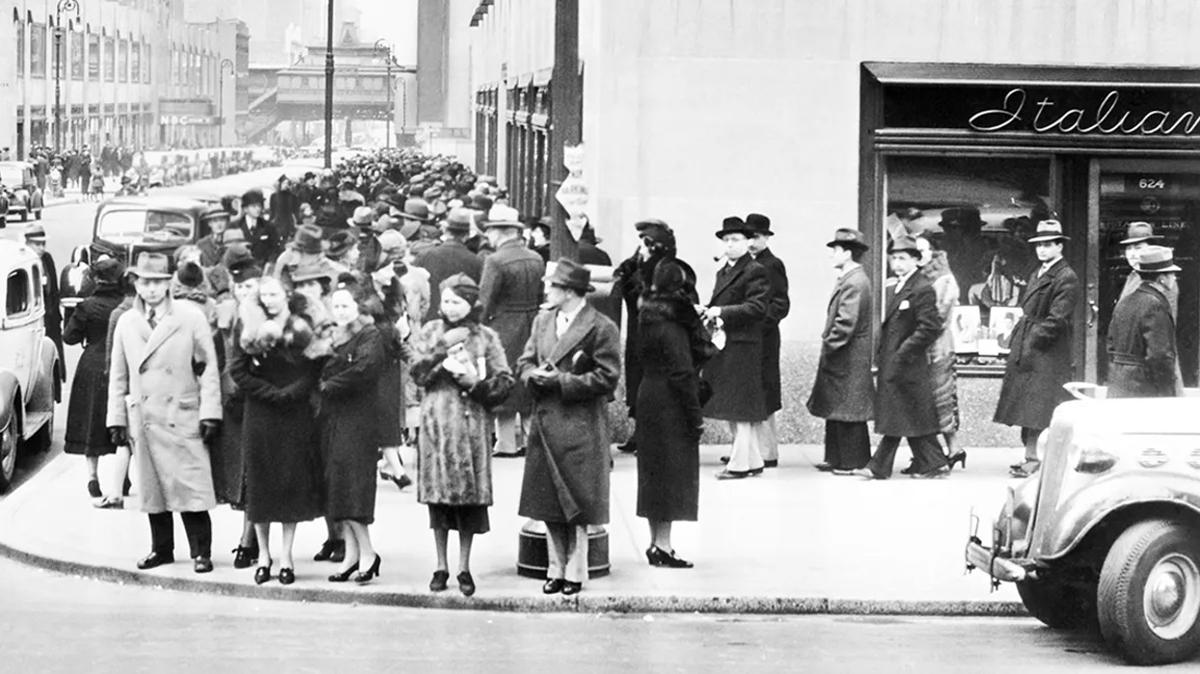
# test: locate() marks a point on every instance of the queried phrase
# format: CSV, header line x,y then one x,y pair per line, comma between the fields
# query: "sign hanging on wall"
x,y
573,193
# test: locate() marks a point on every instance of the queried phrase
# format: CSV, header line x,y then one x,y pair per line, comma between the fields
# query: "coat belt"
x,y
1125,358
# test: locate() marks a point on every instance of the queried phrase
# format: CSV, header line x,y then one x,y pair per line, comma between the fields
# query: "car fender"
x,y
1085,509
9,391
50,371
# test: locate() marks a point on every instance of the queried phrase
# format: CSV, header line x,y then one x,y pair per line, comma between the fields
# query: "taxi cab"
x,y
29,366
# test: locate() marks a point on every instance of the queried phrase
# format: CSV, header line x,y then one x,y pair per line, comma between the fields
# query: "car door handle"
x,y
1093,313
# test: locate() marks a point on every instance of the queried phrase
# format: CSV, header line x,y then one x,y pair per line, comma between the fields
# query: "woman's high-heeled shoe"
x,y
402,481
659,557
262,574
287,576
343,576
370,574
959,457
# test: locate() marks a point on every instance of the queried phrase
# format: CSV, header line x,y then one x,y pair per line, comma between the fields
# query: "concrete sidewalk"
x,y
791,541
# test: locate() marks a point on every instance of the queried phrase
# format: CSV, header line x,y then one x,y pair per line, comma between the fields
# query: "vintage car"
x,y
1107,533
21,190
29,367
126,226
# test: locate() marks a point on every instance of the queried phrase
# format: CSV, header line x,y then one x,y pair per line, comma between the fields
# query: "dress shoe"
x,y
155,559
438,582
330,550
659,557
287,576
826,467
94,488
466,584
942,471
509,455
770,463
343,576
845,471
869,474
202,565
959,457
738,474
910,469
245,556
262,574
371,573
1025,469
553,586
724,459
110,503
570,588
402,481
629,446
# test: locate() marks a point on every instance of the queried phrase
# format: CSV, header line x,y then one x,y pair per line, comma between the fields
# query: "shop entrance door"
x,y
1166,194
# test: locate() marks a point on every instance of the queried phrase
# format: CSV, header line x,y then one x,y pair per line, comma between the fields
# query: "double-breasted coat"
x,y
442,261
88,325
1141,346
736,374
904,404
154,391
1039,361
509,293
844,389
568,457
777,309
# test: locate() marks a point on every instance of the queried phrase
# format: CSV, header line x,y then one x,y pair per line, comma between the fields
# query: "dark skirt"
x,y
282,463
86,432
467,519
945,393
668,462
228,463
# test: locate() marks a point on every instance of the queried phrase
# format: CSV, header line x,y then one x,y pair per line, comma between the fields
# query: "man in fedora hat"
x,y
843,393
212,245
1040,359
904,402
35,238
777,309
510,291
571,363
739,306
1138,236
257,230
451,256
164,401
1142,355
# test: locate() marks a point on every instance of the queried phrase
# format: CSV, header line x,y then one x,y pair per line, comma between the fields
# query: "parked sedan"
x,y
21,190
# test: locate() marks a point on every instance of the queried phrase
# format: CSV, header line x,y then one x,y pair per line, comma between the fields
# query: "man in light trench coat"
x,y
164,401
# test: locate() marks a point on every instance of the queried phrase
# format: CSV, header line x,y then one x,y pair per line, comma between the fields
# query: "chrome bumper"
x,y
999,568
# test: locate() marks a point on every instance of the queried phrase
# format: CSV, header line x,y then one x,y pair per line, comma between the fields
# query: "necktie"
x,y
151,319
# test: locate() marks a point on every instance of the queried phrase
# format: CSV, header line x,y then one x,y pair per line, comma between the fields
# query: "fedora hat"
x,y
760,223
416,208
459,220
734,225
340,243
107,271
307,239
364,216
36,233
1136,232
151,265
904,244
310,271
570,274
503,216
1049,230
848,238
1156,260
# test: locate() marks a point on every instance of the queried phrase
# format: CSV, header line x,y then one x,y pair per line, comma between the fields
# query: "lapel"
x,y
1157,293
1040,282
894,300
167,326
727,276
579,328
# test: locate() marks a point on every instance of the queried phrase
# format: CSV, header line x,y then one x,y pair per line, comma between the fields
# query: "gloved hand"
x,y
118,436
210,429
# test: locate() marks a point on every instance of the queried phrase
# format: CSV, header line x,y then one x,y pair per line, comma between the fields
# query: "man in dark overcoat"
x,y
35,238
509,294
739,306
777,310
1142,354
1039,362
451,256
262,235
904,404
844,393
571,363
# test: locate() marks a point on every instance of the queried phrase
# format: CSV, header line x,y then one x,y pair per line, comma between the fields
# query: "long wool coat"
x,y
454,455
844,389
1142,354
568,461
509,294
1039,362
88,325
154,392
904,404
349,421
736,374
777,310
442,261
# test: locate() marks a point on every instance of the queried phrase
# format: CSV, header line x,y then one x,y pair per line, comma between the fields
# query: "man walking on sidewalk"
x,y
843,393
164,401
904,404
1142,356
777,309
1039,362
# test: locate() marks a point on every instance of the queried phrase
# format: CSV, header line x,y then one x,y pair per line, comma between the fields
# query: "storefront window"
x,y
76,43
988,207
37,50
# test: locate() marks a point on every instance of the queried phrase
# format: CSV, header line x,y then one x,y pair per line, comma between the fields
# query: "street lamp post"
x,y
329,88
225,63
381,45
71,6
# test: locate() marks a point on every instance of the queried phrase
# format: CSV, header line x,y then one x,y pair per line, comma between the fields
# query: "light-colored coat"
x,y
843,389
155,394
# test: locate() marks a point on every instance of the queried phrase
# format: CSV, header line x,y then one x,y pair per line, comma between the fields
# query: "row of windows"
x,y
318,82
121,61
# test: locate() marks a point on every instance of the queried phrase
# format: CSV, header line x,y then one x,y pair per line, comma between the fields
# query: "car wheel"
x,y
9,442
1058,604
1150,593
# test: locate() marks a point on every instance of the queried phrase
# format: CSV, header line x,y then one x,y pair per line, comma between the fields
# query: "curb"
x,y
715,605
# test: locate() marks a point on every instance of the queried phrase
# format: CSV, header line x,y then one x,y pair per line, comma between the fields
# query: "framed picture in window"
x,y
964,328
1001,321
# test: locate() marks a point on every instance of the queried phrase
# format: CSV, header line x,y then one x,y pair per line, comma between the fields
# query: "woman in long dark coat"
x,y
349,420
669,420
86,431
279,434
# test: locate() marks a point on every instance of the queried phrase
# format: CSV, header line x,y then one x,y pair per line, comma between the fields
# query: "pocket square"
x,y
903,305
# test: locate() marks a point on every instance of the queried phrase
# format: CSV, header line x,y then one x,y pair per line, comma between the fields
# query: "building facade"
x,y
978,116
129,72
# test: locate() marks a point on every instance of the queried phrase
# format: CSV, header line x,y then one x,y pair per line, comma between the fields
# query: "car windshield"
x,y
12,176
135,225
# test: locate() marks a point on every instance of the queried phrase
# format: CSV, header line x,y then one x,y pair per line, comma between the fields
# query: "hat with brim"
x,y
1136,232
151,265
848,238
245,269
312,272
569,274
416,209
307,239
1049,230
36,234
760,224
364,216
734,225
904,244
503,216
1156,260
107,271
459,221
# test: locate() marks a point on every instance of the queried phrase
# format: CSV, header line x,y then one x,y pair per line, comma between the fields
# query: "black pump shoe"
x,y
553,586
287,576
370,574
344,576
330,550
659,557
958,457
262,574
244,556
